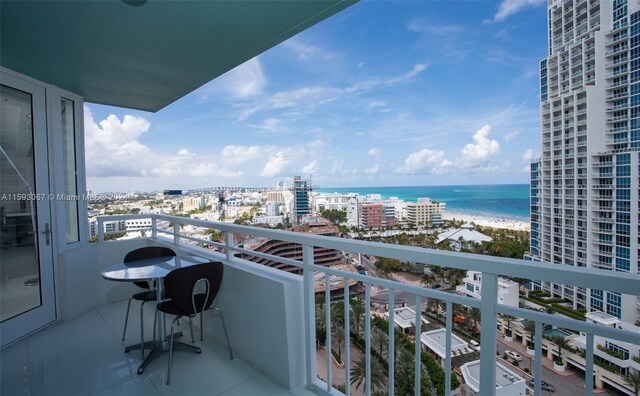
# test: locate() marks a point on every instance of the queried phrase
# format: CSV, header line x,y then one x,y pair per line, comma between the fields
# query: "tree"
x,y
562,343
509,319
338,337
357,314
633,379
380,340
530,327
359,374
474,315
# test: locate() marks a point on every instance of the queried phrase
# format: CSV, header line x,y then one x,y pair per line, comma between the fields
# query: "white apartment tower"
x,y
584,188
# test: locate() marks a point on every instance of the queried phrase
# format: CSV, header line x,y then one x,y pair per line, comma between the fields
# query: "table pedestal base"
x,y
158,349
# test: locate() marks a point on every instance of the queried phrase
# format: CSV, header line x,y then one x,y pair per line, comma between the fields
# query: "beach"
x,y
495,222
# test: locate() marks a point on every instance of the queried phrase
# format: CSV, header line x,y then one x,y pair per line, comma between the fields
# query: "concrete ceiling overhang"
x,y
145,54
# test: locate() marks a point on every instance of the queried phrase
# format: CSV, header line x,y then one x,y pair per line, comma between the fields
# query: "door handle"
x,y
47,233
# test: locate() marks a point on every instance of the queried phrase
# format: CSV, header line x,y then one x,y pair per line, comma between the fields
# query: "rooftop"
x,y
504,376
435,340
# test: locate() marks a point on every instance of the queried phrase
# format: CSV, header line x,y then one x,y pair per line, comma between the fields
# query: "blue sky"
x,y
382,94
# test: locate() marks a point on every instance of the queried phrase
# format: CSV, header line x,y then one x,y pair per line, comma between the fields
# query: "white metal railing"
x,y
169,229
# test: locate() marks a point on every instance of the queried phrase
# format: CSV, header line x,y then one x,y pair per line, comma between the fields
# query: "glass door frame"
x,y
45,314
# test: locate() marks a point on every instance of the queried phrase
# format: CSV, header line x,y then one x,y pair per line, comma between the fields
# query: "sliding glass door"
x,y
27,300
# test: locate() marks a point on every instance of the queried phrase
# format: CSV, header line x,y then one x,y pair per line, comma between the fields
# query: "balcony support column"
x,y
309,315
488,318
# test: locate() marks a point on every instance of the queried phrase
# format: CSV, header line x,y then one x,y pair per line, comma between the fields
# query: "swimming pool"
x,y
556,332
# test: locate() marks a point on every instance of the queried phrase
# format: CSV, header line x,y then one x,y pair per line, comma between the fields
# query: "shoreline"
x,y
489,221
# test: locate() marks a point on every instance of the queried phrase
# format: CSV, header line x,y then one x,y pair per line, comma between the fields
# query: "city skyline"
x,y
410,93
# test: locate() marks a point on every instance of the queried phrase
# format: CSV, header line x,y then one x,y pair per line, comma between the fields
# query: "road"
x,y
566,385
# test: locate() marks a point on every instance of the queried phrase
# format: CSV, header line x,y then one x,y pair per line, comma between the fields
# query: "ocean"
x,y
507,201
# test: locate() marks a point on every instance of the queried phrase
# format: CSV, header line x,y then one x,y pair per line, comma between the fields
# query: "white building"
x,y
405,319
508,383
193,203
271,221
584,188
435,340
425,212
463,236
508,290
272,208
335,201
352,210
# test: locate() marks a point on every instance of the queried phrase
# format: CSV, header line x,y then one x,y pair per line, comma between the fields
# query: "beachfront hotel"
x,y
584,188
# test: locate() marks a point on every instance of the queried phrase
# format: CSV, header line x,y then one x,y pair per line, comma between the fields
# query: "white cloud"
x,y
424,162
527,157
311,167
274,166
238,154
185,152
419,25
242,82
478,153
373,152
511,135
510,7
306,51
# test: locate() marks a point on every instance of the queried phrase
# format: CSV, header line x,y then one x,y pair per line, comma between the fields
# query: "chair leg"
x,y
155,322
224,327
193,341
201,326
171,351
126,319
142,328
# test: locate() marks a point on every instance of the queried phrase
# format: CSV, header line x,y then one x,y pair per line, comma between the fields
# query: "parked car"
x,y
545,386
474,345
513,355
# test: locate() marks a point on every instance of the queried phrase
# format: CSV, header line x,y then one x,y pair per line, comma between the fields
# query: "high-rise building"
x,y
301,189
584,188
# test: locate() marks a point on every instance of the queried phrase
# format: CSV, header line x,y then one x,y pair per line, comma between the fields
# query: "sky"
x,y
402,93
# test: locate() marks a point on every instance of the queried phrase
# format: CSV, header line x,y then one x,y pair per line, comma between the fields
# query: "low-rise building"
x,y
434,341
404,318
463,237
508,383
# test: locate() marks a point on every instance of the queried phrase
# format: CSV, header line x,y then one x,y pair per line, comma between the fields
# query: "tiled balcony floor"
x,y
85,356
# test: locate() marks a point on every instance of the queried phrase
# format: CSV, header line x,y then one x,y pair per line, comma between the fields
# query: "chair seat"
x,y
170,308
149,295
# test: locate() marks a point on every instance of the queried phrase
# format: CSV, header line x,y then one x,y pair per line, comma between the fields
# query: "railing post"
x,y
327,327
154,227
176,233
228,244
100,230
347,337
309,314
447,348
488,318
588,372
537,369
392,340
418,345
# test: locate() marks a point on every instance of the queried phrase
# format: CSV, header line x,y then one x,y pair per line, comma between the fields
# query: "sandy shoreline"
x,y
496,222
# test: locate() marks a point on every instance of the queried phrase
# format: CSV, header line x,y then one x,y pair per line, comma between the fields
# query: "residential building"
x,y
193,203
508,290
584,188
353,219
301,190
425,212
272,208
372,216
435,341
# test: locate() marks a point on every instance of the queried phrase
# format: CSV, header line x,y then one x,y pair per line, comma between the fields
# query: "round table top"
x,y
149,269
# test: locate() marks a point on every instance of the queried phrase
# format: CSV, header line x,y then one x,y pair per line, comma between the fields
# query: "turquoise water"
x,y
509,201
555,332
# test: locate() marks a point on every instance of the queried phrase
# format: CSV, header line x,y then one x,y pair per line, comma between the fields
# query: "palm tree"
x,y
338,338
321,325
359,374
561,342
633,379
509,319
474,314
357,313
380,340
530,327
337,313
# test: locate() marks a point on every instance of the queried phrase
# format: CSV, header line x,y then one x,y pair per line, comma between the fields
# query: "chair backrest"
x,y
147,252
192,289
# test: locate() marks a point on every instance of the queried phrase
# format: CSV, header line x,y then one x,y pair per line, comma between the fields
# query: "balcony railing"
x,y
169,230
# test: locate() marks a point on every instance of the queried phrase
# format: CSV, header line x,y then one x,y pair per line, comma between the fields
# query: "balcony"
x,y
274,336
